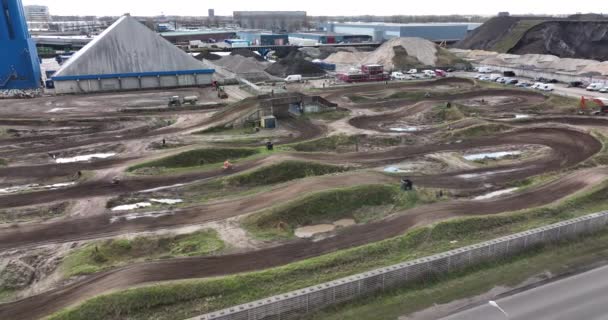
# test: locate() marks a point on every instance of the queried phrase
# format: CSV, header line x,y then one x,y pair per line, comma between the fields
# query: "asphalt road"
x,y
580,297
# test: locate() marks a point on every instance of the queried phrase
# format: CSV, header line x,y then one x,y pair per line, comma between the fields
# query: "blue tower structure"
x,y
19,64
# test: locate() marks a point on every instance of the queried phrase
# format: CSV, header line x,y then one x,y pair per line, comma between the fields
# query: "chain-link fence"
x,y
296,303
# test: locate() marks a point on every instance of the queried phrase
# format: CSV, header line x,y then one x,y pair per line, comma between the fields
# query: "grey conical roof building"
x,y
127,50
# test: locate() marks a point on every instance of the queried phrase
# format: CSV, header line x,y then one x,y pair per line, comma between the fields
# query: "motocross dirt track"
x,y
569,146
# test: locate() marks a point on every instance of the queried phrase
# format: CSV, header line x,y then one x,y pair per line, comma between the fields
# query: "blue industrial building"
x,y
329,37
261,38
19,63
450,32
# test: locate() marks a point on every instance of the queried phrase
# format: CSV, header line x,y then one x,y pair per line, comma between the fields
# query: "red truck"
x,y
368,73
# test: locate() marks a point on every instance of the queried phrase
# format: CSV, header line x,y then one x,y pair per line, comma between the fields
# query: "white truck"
x,y
294,78
412,71
429,73
595,87
400,76
484,70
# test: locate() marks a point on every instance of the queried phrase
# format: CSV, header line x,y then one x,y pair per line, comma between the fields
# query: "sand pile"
x,y
422,50
239,64
344,57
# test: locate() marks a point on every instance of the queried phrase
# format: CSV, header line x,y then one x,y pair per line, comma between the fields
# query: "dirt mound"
x,y
240,64
208,56
567,39
345,57
295,63
247,54
398,51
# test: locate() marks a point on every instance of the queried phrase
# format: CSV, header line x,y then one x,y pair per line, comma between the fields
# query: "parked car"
x,y
546,87
511,81
412,71
294,78
485,78
508,73
495,76
604,90
575,84
400,76
595,87
479,76
524,85
484,70
536,85
500,80
429,73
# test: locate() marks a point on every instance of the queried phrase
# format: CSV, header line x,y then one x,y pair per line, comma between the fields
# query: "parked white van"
x,y
400,76
429,73
546,87
294,78
484,70
412,71
595,86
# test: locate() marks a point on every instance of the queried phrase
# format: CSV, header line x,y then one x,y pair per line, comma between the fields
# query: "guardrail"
x,y
296,303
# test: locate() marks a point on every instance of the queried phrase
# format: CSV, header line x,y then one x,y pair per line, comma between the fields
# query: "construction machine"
x,y
174,101
601,103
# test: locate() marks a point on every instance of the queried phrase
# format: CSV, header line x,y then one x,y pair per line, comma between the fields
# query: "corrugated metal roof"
x,y
128,47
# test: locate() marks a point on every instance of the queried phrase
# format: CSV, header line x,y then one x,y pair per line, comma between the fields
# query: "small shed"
x,y
269,122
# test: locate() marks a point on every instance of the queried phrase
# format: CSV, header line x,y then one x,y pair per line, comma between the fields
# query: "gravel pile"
x,y
422,50
247,54
240,64
295,63
345,57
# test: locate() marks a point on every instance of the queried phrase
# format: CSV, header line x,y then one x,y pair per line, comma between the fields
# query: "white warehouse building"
x,y
129,56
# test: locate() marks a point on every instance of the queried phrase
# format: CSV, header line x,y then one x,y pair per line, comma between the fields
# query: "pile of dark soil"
x,y
247,54
208,56
294,63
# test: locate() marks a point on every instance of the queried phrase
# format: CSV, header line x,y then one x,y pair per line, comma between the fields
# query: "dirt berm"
x,y
565,38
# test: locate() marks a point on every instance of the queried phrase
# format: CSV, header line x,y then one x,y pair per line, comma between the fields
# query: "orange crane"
x,y
603,108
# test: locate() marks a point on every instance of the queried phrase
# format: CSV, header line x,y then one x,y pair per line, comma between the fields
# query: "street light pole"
x,y
495,305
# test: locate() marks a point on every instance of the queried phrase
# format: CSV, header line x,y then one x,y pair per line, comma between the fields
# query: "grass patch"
x,y
441,113
38,213
559,103
358,99
445,58
102,255
282,172
189,298
329,206
344,142
3,162
514,35
480,130
194,158
329,116
227,130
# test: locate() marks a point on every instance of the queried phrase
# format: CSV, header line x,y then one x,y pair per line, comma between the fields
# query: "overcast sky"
x,y
317,7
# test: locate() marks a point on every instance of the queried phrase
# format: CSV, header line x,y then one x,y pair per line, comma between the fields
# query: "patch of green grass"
x,y
3,162
514,35
189,298
198,157
558,103
344,142
441,113
327,207
480,130
227,130
282,172
358,98
445,58
102,255
329,116
28,214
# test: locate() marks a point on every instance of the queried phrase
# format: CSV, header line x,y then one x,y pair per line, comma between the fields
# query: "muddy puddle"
x,y
144,204
495,194
86,157
404,129
35,187
491,155
311,231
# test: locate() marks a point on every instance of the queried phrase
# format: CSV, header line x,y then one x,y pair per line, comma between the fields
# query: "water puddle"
x,y
395,170
491,155
484,174
133,206
86,157
35,187
310,231
522,116
167,201
59,109
405,129
494,194
134,216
